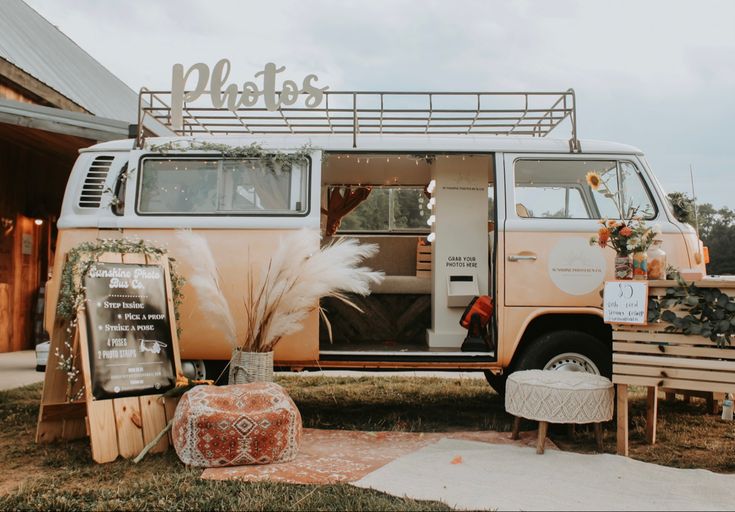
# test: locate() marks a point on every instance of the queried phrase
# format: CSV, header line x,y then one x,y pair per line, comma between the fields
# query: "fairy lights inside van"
x,y
222,187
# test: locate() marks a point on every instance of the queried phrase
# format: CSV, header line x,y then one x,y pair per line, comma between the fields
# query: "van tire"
x,y
497,382
550,346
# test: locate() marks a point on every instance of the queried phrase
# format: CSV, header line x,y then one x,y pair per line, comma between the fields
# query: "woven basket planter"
x,y
247,367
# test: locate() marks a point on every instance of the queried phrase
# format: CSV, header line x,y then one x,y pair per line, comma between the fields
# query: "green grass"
x,y
62,476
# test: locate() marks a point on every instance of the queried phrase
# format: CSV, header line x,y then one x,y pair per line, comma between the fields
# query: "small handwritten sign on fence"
x,y
626,302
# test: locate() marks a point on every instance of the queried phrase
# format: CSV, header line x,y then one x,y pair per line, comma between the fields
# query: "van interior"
x,y
383,199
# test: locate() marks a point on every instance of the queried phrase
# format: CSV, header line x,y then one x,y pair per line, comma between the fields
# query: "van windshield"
x,y
221,186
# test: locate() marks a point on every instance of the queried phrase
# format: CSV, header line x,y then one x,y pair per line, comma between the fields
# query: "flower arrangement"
x,y
626,236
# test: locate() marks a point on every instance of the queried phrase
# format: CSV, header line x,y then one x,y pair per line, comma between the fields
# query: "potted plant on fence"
x,y
630,237
280,296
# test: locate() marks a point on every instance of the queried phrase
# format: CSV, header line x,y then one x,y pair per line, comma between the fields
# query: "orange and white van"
x,y
463,201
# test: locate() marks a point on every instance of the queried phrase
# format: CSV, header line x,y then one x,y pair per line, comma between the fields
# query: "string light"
x,y
431,237
430,187
432,220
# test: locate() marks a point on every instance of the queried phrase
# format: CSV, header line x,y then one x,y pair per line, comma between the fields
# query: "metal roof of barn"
x,y
31,43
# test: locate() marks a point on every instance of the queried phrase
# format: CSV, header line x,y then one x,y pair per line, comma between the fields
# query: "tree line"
x,y
716,228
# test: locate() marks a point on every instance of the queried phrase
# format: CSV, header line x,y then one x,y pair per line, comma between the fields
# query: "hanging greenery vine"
x,y
274,159
71,294
706,312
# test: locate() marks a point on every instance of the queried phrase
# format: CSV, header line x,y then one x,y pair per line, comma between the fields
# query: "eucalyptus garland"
x,y
71,293
706,312
272,158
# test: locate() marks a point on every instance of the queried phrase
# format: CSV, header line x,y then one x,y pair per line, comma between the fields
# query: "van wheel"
x,y
572,351
497,382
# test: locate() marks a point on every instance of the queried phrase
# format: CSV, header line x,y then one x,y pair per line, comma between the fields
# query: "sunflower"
x,y
593,180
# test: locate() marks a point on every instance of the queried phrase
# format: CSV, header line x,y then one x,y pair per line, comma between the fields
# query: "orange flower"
x,y
626,231
593,180
603,235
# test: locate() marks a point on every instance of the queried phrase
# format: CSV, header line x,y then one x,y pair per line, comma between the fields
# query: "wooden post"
x,y
598,436
543,428
622,434
651,414
712,406
6,318
516,428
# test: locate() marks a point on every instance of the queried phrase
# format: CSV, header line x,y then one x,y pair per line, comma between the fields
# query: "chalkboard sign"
x,y
129,331
626,302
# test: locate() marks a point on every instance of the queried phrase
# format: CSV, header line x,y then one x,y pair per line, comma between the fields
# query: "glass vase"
x,y
656,261
623,266
640,265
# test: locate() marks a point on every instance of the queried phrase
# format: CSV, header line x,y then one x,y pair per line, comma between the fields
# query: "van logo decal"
x,y
575,267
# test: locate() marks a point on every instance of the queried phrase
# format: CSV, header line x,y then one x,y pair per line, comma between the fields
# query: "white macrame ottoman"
x,y
549,396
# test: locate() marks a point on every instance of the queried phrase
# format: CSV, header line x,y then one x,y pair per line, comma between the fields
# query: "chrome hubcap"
x,y
572,362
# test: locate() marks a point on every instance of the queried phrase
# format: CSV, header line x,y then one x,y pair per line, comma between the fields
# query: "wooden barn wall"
x,y
32,184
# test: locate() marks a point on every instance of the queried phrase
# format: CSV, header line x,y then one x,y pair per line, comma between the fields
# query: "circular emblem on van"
x,y
575,267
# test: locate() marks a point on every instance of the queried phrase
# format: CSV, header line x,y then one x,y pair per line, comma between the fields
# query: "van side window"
x,y
560,189
225,187
389,209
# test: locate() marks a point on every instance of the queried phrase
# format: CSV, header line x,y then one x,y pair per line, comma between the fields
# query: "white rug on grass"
x,y
474,475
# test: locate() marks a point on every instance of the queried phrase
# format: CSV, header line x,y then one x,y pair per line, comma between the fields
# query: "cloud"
x,y
655,74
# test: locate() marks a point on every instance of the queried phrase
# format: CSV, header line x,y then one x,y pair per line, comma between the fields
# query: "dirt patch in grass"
x,y
62,476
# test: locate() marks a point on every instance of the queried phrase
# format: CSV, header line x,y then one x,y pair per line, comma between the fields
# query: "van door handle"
x,y
522,257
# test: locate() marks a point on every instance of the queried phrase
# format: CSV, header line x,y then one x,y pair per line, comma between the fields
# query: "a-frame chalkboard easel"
x,y
118,426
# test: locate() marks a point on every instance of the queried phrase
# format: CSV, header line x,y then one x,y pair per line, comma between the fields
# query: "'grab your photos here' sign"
x,y
625,302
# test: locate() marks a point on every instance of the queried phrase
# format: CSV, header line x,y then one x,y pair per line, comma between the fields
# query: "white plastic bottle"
x,y
727,407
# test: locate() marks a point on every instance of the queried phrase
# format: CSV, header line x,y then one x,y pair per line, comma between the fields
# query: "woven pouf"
x,y
235,425
559,397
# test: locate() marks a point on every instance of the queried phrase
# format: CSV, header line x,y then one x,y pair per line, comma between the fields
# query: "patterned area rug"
x,y
329,456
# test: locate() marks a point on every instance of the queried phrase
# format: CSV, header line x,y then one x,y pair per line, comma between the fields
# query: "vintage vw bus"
x,y
461,200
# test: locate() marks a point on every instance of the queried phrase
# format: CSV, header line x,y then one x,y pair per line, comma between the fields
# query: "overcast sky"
x,y
659,75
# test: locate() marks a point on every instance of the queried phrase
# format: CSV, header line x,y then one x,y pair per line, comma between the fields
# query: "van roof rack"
x,y
533,114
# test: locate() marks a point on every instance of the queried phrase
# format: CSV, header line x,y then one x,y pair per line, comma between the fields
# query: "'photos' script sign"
x,y
231,96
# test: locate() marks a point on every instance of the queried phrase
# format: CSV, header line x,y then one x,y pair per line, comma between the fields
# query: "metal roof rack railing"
x,y
533,114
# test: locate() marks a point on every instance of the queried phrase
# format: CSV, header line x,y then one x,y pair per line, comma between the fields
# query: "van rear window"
x,y
197,186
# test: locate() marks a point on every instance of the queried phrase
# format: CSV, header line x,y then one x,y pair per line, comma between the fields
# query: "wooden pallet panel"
x,y
673,350
674,373
129,425
673,383
153,414
663,337
102,431
674,362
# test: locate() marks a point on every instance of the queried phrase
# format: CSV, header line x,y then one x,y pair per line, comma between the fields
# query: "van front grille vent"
x,y
94,183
